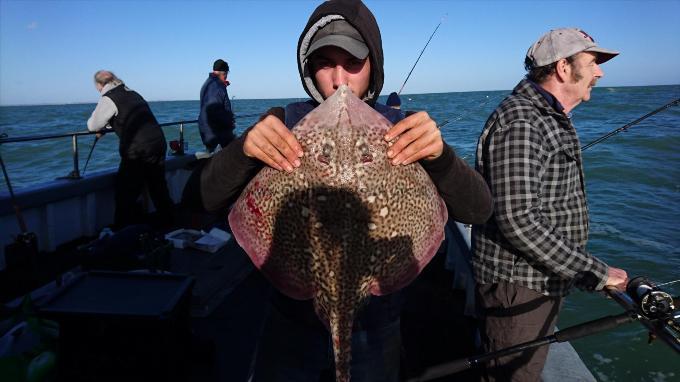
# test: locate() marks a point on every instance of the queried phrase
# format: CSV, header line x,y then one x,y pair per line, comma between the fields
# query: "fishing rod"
x,y
17,210
631,124
26,242
642,301
420,55
96,139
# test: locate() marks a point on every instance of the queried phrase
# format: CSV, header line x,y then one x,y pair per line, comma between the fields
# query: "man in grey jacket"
x,y
142,148
530,253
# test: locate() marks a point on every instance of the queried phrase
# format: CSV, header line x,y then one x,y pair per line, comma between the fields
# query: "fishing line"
x,y
485,101
668,283
631,124
421,53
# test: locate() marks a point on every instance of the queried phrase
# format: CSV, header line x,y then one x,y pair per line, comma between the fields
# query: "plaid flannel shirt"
x,y
530,156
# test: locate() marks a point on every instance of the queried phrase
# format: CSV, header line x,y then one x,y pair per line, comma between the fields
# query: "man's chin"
x,y
586,97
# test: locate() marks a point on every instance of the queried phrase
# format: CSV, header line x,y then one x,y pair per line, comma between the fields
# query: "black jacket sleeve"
x,y
228,172
463,189
225,175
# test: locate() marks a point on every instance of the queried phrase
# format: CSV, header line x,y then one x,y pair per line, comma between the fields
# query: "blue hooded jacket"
x,y
215,120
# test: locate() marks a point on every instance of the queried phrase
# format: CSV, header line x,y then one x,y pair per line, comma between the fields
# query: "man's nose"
x,y
339,76
598,71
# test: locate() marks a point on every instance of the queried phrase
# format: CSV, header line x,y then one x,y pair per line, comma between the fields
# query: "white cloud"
x,y
32,25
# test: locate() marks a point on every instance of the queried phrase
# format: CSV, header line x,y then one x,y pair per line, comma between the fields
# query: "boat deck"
x,y
230,299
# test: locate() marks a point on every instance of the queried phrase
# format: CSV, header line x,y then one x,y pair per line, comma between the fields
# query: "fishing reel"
x,y
653,303
656,309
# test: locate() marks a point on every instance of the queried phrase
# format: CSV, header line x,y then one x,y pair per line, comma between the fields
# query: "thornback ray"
x,y
346,224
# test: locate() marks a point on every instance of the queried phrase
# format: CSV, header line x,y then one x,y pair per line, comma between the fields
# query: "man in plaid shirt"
x,y
532,250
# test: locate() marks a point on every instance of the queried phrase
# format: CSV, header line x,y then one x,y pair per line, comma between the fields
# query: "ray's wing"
x,y
267,221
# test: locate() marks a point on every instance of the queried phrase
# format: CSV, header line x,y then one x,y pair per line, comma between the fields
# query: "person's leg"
x,y
128,186
376,354
158,190
513,315
290,351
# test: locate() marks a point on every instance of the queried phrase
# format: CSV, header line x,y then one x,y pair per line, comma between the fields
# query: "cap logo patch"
x,y
586,35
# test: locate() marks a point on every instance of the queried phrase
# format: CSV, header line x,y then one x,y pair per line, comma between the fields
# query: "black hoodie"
x,y
228,172
361,18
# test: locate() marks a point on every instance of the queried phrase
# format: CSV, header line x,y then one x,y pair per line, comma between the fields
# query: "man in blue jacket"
x,y
216,120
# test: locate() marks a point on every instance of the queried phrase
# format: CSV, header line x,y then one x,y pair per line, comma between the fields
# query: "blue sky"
x,y
49,50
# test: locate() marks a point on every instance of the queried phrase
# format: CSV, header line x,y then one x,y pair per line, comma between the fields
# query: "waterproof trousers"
x,y
512,315
132,176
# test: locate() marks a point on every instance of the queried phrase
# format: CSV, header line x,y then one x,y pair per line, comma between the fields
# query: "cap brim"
x,y
354,47
603,55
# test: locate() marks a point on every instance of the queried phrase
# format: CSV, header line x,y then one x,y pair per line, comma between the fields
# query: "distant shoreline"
x,y
297,98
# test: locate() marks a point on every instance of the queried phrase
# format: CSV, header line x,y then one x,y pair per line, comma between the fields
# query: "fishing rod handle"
x,y
594,326
458,365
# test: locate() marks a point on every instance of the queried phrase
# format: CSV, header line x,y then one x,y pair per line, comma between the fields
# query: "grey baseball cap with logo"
x,y
342,34
565,42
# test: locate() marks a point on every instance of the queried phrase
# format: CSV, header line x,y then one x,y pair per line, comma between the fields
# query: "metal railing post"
x,y
75,174
181,139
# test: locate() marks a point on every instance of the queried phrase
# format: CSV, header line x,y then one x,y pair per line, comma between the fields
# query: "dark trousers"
x,y
295,352
512,315
132,175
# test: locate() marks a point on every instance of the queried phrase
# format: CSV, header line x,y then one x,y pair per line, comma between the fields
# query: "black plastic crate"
x,y
117,326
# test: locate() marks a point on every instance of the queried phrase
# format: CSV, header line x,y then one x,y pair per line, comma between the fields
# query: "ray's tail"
x,y
341,334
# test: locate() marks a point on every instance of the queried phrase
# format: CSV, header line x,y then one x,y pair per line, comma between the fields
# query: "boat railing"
x,y
177,149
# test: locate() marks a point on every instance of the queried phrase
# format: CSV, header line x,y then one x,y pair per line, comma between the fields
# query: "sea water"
x,y
632,179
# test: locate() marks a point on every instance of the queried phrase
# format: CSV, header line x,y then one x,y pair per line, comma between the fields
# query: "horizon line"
x,y
283,98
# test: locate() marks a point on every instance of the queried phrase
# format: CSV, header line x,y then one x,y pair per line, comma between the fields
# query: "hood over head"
x,y
358,16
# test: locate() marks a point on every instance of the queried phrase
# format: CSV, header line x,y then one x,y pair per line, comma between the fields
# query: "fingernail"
x,y
388,138
300,153
288,168
296,163
390,153
395,162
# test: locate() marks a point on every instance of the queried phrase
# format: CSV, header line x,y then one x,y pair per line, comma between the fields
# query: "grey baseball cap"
x,y
342,34
562,43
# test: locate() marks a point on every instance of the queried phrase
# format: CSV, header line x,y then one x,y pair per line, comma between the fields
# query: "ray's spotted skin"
x,y
346,224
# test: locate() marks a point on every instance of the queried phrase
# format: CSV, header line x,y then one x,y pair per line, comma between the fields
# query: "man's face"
x,y
223,77
584,74
333,66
